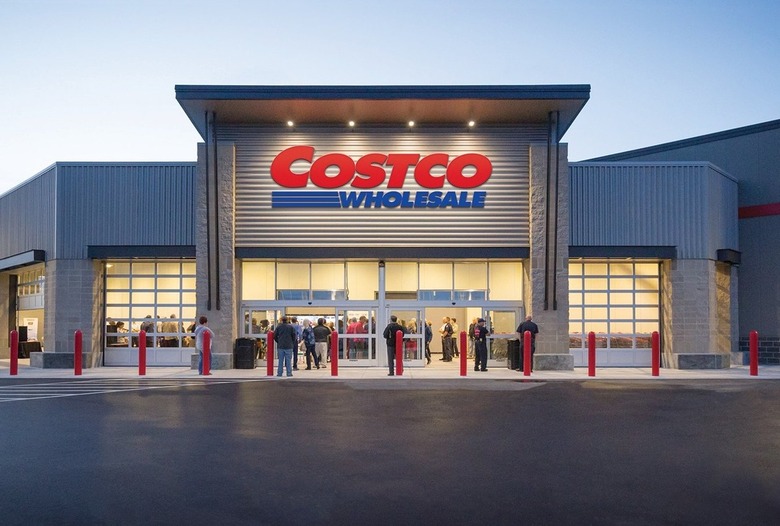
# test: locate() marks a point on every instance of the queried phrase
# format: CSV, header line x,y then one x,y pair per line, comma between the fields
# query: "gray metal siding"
x,y
503,222
690,206
27,216
124,204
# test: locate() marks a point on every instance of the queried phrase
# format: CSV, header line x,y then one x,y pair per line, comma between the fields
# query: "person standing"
x,y
471,337
200,330
446,339
321,337
308,339
480,345
455,336
286,339
389,335
428,338
531,327
298,334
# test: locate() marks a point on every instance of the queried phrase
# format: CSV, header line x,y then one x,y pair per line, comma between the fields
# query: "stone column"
x,y
552,316
72,301
696,306
216,282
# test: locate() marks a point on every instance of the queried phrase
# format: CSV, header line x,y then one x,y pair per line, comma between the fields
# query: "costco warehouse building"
x,y
420,201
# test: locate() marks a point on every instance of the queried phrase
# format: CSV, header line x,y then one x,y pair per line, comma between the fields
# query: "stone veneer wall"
x,y
697,297
5,301
223,320
552,343
72,301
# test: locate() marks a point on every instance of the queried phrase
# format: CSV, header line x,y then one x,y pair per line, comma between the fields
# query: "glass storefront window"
x,y
258,280
506,280
362,280
401,276
436,276
470,276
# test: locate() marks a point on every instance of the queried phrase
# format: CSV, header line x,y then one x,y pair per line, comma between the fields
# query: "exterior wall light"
x,y
471,124
290,124
411,124
351,124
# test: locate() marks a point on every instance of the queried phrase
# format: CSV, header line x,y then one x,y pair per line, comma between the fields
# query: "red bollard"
x,y
656,353
269,353
527,346
463,354
334,356
142,353
753,353
591,353
206,353
77,353
14,353
399,353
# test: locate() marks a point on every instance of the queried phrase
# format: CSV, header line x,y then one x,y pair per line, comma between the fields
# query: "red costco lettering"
x,y
370,170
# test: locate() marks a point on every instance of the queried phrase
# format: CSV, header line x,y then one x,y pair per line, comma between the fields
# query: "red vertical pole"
x,y
142,353
527,346
77,353
753,353
591,353
399,353
656,353
334,355
269,353
463,354
14,353
206,353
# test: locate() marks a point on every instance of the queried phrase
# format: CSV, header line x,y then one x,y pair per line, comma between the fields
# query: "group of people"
x,y
162,332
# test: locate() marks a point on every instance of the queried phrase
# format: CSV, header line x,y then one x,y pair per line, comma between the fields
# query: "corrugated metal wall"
x,y
27,216
688,205
503,222
124,204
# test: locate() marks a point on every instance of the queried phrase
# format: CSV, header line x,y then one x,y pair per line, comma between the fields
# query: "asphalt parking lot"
x,y
432,451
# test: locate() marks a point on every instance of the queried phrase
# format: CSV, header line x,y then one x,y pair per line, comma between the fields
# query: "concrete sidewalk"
x,y
435,370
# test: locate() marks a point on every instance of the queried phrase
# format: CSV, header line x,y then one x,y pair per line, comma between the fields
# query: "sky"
x,y
93,80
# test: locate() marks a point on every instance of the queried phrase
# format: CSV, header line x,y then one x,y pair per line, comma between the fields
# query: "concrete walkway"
x,y
433,371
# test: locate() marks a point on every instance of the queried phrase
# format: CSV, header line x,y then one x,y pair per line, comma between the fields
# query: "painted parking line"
x,y
22,392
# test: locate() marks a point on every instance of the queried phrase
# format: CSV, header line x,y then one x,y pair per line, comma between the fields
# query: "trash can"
x,y
245,353
514,355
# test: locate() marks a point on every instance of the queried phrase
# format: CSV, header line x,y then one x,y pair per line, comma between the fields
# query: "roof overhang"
x,y
383,105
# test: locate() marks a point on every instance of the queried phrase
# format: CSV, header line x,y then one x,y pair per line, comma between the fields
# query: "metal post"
x,y
753,353
334,355
656,353
14,353
206,353
463,354
399,353
142,353
527,347
591,353
269,353
77,353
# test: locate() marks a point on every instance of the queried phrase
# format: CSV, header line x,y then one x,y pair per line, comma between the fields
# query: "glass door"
x,y
258,321
501,324
357,337
413,320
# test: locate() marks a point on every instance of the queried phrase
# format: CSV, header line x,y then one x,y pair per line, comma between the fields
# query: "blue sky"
x,y
86,80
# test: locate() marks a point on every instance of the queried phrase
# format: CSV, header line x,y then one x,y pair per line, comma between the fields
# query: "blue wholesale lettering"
x,y
393,199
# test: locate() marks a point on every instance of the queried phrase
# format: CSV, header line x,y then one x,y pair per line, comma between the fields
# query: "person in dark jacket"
x,y
389,335
286,339
531,327
480,345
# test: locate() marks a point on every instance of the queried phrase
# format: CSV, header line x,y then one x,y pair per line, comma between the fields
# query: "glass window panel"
x,y
143,297
142,283
595,269
575,298
188,298
117,312
595,298
143,268
292,294
470,295
621,313
471,276
118,297
575,283
647,298
647,269
595,283
436,276
188,267
621,298
596,326
168,298
362,279
188,283
575,328
621,284
328,294
575,269
646,327
292,276
618,269
575,313
401,276
595,313
114,267
188,313
647,313
430,295
506,280
117,283
169,283
621,342
621,327
258,280
169,268
646,283
327,276
644,341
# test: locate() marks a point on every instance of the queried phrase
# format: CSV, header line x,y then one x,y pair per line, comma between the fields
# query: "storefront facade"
x,y
358,203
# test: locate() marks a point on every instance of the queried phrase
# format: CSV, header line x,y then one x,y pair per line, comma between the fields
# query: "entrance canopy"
x,y
383,105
